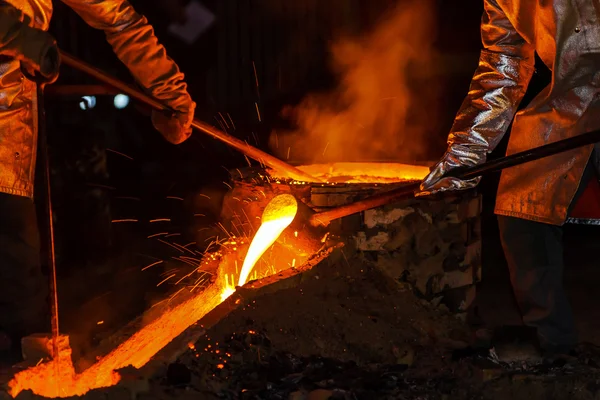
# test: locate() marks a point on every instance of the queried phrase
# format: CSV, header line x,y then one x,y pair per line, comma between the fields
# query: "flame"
x,y
278,215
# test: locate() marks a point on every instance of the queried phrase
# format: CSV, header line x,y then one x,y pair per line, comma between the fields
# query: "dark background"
x,y
94,183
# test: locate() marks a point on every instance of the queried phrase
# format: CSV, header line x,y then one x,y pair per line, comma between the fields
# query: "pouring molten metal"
x,y
277,216
149,340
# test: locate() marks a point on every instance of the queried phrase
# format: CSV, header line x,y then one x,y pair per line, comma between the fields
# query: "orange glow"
x,y
278,215
43,379
349,172
135,351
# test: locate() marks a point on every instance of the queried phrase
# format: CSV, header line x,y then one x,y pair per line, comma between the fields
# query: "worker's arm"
x,y
34,48
505,68
135,44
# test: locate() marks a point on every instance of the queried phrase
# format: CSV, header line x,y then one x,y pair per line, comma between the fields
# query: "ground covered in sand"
x,y
349,332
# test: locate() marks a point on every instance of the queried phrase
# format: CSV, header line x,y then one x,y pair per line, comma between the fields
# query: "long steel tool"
x,y
44,152
240,145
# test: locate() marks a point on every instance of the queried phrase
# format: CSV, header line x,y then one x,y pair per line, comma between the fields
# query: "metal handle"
x,y
240,145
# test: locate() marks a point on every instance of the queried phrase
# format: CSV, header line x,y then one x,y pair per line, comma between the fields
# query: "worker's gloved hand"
x,y
456,156
175,129
34,48
45,68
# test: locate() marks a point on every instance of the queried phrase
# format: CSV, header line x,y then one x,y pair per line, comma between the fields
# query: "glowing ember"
x,y
277,216
349,172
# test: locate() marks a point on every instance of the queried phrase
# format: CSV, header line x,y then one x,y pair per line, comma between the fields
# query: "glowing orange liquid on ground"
x,y
135,351
144,344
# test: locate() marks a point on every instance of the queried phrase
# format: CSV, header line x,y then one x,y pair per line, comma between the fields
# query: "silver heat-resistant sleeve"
x,y
505,68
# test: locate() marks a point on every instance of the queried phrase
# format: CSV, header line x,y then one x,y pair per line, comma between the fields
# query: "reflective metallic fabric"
x,y
133,41
566,36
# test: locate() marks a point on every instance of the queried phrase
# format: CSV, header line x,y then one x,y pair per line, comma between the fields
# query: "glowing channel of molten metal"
x,y
149,340
278,215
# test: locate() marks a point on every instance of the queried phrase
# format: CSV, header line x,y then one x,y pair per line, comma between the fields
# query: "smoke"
x,y
384,105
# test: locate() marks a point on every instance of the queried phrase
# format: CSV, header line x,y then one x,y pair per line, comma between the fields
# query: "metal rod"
x,y
79,90
240,145
43,141
408,191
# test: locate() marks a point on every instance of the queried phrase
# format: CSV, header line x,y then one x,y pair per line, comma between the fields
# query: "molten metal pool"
x,y
357,172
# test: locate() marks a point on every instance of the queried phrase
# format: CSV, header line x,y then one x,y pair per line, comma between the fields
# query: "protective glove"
x,y
456,156
34,48
46,70
175,129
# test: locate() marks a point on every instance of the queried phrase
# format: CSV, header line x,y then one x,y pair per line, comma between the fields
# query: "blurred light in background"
x,y
87,102
121,101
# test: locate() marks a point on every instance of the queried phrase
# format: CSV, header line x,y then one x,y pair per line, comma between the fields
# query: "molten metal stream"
x,y
145,343
278,215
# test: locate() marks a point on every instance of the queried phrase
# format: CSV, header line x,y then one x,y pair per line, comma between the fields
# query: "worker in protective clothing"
x,y
27,51
534,200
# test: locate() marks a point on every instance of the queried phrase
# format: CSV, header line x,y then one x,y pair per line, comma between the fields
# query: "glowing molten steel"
x,y
278,215
135,351
359,172
145,343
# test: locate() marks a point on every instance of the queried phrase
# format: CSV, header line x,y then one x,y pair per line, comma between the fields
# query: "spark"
x,y
99,322
239,172
169,244
200,215
257,111
227,184
114,221
204,195
231,120
189,244
121,154
225,122
248,160
220,225
172,297
220,123
256,78
186,276
173,234
160,302
152,265
180,247
288,153
166,279
326,146
174,198
157,234
160,220
198,282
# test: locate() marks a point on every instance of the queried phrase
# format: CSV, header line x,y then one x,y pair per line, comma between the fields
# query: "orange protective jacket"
x,y
132,40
